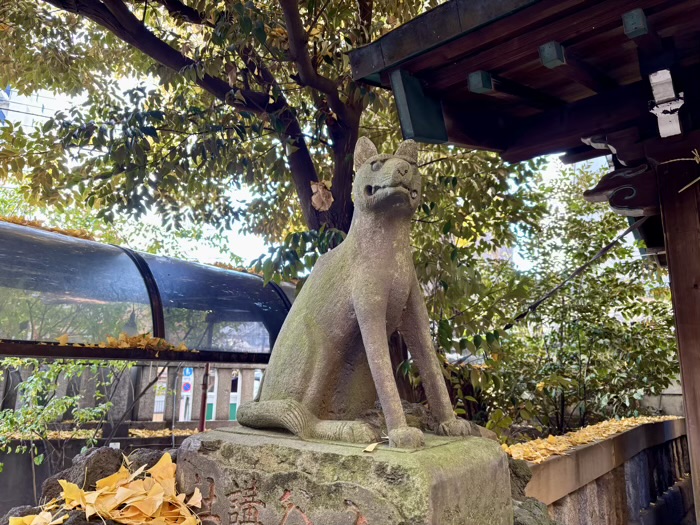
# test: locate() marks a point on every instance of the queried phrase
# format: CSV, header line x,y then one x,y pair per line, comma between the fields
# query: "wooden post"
x,y
246,385
222,411
203,402
680,211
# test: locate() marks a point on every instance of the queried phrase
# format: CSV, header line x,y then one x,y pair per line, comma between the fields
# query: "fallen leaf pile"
x,y
538,450
143,341
231,267
226,266
127,497
165,432
80,234
60,435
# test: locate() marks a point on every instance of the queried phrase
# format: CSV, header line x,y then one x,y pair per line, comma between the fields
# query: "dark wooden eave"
x,y
534,77
527,78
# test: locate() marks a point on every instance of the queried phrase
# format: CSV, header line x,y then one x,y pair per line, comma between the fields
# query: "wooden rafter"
x,y
566,62
485,83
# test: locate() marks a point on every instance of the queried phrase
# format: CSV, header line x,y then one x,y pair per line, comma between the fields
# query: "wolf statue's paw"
x,y
457,427
406,437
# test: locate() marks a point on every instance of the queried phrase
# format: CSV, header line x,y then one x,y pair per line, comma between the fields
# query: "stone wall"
x,y
639,477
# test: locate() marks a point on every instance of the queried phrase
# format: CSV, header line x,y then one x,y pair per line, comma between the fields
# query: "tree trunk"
x,y
344,140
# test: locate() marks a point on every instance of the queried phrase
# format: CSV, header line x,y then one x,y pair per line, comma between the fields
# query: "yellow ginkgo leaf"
x,y
126,497
115,480
43,518
24,520
72,494
59,520
164,469
196,499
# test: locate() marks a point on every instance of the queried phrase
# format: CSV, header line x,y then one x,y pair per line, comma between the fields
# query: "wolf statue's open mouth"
x,y
372,190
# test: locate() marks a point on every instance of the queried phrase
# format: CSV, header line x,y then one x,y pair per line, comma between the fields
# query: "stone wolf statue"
x,y
331,358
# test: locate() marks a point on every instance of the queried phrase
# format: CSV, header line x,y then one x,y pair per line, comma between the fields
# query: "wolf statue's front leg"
x,y
415,330
370,307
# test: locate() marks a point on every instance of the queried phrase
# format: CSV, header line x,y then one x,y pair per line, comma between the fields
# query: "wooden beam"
x,y
440,25
582,153
559,130
554,56
496,33
471,126
681,219
485,83
600,17
419,114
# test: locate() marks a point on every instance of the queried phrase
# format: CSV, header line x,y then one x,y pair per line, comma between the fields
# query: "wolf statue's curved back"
x,y
331,359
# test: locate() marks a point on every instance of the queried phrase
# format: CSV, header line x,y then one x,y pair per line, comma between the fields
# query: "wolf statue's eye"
x,y
377,165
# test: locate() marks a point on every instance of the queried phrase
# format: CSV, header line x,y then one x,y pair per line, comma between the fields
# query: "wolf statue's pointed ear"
x,y
364,149
408,149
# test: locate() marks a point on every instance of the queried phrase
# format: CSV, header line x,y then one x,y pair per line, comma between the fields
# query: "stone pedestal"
x,y
270,478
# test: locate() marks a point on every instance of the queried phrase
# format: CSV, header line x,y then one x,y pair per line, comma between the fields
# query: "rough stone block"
x,y
273,478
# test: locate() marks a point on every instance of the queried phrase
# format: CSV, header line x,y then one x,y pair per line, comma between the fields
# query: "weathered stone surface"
x,y
520,476
19,512
145,456
331,360
94,464
526,511
531,512
273,478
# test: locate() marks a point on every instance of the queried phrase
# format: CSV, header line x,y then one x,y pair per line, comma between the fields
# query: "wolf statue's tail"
x,y
287,414
291,415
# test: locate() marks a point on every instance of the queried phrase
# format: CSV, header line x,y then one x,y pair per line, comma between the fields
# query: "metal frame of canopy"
x,y
28,256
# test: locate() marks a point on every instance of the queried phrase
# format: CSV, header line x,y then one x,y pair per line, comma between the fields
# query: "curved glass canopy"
x,y
59,294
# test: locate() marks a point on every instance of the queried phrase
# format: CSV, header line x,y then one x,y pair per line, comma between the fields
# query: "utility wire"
x,y
578,271
25,113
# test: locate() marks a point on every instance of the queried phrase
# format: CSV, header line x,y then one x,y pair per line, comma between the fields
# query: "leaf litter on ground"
x,y
131,497
538,450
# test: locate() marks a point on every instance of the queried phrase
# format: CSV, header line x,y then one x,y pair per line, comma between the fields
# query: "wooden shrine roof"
x,y
533,77
534,109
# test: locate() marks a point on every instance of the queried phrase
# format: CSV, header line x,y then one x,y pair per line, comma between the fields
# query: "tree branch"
x,y
116,17
184,12
299,53
365,12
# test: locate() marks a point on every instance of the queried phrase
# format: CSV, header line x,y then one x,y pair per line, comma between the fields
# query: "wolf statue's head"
x,y
386,183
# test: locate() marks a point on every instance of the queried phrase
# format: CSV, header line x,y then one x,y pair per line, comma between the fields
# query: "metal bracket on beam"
x,y
653,54
555,56
484,83
635,23
481,82
552,55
